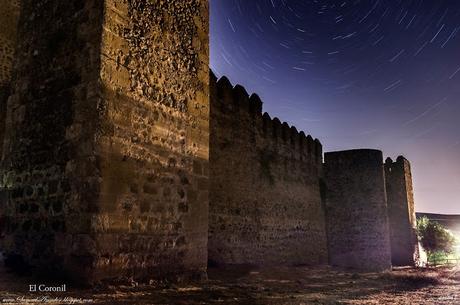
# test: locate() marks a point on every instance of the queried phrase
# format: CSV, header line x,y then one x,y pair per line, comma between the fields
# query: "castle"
x,y
123,156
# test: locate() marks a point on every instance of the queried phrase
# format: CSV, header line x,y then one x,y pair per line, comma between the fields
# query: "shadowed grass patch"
x,y
410,281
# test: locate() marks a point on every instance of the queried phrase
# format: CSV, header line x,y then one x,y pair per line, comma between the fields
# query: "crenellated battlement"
x,y
239,106
400,164
262,170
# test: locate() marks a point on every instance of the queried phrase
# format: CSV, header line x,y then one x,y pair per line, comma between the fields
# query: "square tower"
x,y
105,168
401,212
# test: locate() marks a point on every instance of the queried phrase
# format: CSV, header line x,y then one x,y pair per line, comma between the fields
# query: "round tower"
x,y
357,221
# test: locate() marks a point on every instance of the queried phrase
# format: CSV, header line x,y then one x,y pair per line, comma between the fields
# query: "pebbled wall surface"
x,y
154,142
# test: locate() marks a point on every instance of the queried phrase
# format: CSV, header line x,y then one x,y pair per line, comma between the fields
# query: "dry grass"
x,y
277,286
412,278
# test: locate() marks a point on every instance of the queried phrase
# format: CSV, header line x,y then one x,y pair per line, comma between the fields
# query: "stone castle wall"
x,y
356,209
118,146
265,204
106,160
401,212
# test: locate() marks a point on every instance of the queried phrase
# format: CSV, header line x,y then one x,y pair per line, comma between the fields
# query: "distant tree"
x,y
434,237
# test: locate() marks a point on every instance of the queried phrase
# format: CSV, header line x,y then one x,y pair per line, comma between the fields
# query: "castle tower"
x,y
401,212
357,222
105,169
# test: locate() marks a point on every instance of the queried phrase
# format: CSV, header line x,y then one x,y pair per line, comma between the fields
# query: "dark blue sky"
x,y
355,74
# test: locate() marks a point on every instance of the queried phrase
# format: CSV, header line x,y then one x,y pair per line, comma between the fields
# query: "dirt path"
x,y
252,286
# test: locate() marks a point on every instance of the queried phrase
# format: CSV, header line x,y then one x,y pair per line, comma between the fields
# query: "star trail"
x,y
372,74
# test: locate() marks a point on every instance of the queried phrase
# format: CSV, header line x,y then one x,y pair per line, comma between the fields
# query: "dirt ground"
x,y
253,286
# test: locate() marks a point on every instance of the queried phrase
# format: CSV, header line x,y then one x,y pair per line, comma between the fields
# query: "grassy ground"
x,y
269,286
443,259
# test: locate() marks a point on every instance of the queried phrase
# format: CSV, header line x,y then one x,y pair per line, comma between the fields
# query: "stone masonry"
x,y
356,209
401,212
8,25
265,205
118,145
105,168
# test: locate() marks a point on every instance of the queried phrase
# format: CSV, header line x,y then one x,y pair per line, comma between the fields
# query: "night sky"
x,y
355,74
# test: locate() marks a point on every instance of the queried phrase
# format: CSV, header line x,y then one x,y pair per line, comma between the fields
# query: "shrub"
x,y
435,238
